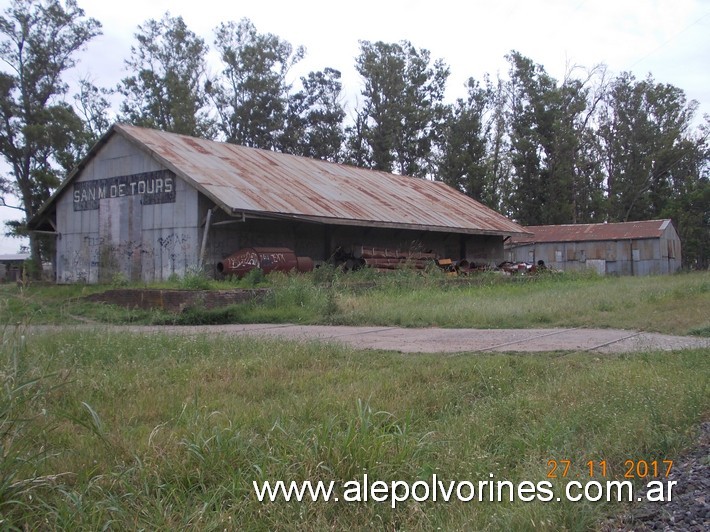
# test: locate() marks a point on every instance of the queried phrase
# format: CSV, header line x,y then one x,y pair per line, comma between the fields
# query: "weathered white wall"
x,y
122,234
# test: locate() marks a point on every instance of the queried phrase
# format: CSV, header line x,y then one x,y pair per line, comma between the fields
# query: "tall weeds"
x,y
24,423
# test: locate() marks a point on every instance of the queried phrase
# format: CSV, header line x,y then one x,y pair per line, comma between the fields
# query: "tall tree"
x,y
356,150
499,153
314,118
166,88
403,106
689,202
251,97
642,127
554,181
464,149
530,121
38,130
94,108
587,178
571,167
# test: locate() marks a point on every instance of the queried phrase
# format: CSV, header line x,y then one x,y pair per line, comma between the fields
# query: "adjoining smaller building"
x,y
627,248
12,266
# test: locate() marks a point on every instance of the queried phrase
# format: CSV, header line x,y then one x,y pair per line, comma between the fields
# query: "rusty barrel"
x,y
267,259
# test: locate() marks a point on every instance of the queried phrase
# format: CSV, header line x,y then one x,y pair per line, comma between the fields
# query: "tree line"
x,y
588,148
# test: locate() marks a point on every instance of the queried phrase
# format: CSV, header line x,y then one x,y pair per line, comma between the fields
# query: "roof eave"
x,y
579,240
370,223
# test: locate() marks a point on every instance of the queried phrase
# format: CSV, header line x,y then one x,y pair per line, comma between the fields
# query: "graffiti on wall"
x,y
96,259
153,187
176,246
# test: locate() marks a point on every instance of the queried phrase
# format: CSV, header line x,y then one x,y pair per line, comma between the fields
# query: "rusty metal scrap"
x,y
365,252
267,259
393,264
390,259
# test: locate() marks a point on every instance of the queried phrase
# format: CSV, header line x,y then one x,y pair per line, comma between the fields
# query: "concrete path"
x,y
435,340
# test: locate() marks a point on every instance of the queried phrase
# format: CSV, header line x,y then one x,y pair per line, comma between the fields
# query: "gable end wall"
x,y
119,233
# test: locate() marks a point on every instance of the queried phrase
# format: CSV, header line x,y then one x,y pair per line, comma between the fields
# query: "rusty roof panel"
x,y
261,181
592,232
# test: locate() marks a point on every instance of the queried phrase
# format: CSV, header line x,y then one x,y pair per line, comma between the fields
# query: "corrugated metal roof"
x,y
14,257
255,181
591,232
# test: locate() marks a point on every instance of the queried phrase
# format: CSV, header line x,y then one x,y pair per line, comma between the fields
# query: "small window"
x,y
635,255
558,255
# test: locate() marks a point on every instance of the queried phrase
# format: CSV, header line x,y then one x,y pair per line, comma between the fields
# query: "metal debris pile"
x,y
524,268
386,259
357,257
390,259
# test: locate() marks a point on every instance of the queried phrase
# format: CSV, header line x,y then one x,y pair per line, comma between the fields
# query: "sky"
x,y
669,39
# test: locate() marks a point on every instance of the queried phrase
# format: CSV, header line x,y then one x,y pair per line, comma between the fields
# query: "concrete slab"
x,y
436,340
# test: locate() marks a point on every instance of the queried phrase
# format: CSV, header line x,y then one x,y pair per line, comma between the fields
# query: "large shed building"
x,y
146,204
628,248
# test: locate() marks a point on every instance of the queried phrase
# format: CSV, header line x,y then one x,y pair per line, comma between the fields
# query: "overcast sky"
x,y
668,38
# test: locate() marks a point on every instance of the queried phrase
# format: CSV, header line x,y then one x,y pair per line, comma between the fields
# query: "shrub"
x,y
194,280
254,277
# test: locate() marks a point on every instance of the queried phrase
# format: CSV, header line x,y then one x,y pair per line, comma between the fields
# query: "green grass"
x,y
122,431
158,432
671,304
674,304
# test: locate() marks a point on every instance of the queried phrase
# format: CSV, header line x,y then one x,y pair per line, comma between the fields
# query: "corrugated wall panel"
x,y
624,257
